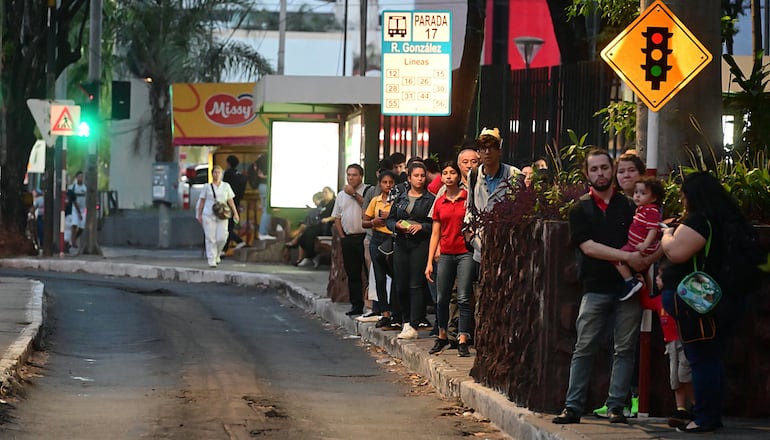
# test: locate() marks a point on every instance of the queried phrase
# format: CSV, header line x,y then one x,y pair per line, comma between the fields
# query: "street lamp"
x,y
528,48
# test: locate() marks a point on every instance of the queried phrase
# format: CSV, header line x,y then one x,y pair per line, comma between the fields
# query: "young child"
x,y
680,375
644,233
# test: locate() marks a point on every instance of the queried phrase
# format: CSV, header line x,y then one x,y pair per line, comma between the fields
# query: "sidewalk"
x,y
21,315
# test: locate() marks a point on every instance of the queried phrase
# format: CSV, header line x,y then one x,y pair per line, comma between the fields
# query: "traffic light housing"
x,y
89,109
656,65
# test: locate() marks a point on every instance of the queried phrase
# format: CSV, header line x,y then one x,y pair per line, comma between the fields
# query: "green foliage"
x,y
751,104
553,194
620,119
615,12
747,180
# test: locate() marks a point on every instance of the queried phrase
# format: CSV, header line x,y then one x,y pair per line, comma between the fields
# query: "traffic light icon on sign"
x,y
656,62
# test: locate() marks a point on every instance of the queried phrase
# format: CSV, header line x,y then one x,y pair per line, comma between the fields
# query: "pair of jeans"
x,y
409,260
264,221
596,309
706,357
459,268
381,270
355,264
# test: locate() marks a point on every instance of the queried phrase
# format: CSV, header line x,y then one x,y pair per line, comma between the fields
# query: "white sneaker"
x,y
266,237
408,332
316,261
239,245
306,262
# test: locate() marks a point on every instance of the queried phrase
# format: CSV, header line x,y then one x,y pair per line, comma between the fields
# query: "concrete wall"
x,y
139,227
131,158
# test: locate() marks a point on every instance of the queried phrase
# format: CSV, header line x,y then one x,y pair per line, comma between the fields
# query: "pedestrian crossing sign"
x,y
64,119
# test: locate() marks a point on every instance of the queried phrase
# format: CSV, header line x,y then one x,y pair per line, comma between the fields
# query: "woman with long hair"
x,y
708,207
214,228
409,218
374,218
455,264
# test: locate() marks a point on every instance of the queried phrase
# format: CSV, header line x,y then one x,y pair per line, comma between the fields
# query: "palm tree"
x,y
170,41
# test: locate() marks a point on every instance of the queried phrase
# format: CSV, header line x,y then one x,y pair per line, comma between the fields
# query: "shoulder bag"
x,y
699,293
698,289
221,210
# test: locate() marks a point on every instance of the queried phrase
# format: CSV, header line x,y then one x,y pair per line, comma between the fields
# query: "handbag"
x,y
386,247
698,289
221,210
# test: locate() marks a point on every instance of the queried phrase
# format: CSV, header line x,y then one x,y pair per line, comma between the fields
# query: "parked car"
x,y
191,183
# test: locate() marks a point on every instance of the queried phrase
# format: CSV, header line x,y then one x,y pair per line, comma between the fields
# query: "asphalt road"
x,y
128,359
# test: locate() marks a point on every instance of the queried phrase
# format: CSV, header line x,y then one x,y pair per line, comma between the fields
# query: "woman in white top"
x,y
214,228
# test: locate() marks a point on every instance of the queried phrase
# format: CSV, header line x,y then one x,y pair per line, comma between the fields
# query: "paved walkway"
x,y
22,313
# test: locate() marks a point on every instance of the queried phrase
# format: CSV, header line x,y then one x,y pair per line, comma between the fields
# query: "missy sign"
x,y
230,111
216,114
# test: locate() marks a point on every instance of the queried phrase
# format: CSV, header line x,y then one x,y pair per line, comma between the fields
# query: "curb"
x,y
19,351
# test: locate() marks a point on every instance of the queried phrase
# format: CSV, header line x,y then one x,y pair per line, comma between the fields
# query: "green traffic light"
x,y
84,130
656,71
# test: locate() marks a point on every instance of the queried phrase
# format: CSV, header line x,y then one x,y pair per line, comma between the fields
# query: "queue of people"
x,y
424,226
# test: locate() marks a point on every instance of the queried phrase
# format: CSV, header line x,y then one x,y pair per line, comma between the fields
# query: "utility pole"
x,y
50,86
92,174
363,20
281,37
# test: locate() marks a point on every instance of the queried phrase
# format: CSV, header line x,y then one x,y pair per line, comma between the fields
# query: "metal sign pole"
x,y
653,134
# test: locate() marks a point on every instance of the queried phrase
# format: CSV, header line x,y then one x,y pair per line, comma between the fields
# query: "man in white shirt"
x,y
347,221
77,217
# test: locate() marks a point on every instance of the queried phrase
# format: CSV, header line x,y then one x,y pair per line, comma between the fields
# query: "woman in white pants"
x,y
214,228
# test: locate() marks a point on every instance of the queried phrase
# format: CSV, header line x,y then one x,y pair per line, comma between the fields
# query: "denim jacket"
x,y
420,213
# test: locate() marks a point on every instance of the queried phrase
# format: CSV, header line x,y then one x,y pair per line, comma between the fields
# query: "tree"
x,y
170,41
699,102
448,132
23,76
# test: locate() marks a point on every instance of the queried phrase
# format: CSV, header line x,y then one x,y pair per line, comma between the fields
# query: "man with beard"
x,y
598,226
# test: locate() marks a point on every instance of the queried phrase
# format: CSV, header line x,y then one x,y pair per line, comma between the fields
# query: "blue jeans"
x,y
381,270
595,310
264,222
706,357
451,268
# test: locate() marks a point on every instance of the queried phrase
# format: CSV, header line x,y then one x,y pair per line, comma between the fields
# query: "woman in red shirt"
x,y
455,263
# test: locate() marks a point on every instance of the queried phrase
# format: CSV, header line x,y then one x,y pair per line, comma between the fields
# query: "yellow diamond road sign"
x,y
656,55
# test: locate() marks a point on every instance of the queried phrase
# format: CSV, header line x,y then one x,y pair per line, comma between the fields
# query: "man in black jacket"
x,y
237,182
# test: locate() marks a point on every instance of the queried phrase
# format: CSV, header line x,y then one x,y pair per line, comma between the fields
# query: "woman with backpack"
x,y
697,243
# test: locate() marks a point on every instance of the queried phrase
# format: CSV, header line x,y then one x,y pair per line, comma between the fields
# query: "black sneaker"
x,y
438,345
383,322
567,417
631,287
354,312
394,325
462,350
680,419
617,416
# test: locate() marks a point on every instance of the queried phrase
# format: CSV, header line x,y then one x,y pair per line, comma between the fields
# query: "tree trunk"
x,y
693,119
449,132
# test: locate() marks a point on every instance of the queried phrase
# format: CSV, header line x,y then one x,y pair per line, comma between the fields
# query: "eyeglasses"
x,y
487,149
